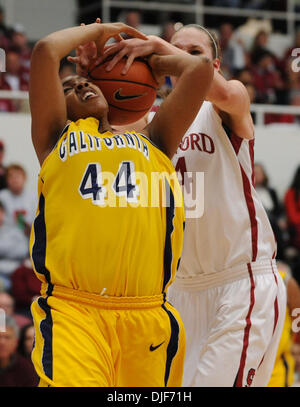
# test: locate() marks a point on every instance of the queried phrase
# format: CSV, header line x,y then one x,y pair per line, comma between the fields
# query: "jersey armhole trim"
x,y
65,129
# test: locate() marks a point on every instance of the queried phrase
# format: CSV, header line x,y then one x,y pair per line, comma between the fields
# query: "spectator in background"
x,y
14,75
14,248
267,194
268,81
26,340
2,167
7,303
15,370
13,79
133,19
25,287
292,208
19,203
25,346
233,53
259,46
19,42
273,207
167,31
245,76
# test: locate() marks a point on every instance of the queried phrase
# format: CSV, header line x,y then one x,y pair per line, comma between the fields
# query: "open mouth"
x,y
88,95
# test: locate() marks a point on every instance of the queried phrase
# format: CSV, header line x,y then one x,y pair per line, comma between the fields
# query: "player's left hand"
x,y
86,56
114,30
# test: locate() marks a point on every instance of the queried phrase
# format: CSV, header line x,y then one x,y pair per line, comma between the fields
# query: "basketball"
x,y
129,96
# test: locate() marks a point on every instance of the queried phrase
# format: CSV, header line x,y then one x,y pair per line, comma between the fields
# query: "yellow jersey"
x,y
110,215
284,366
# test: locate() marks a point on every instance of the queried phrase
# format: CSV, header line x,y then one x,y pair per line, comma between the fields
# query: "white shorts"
x,y
232,329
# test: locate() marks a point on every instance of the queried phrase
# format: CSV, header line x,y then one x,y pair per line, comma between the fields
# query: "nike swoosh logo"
x,y
152,348
120,97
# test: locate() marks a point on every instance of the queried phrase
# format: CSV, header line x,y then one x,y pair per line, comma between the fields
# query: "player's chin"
x,y
94,107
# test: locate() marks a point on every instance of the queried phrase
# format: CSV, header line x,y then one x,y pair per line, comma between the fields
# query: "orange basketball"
x,y
129,96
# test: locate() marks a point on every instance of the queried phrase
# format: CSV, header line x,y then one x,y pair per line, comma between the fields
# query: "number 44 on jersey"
x,y
123,183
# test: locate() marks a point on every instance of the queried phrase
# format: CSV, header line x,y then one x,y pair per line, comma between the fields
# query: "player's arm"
x,y
180,107
232,98
47,102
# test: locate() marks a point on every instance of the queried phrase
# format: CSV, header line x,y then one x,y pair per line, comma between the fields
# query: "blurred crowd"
x,y
18,52
268,79
18,284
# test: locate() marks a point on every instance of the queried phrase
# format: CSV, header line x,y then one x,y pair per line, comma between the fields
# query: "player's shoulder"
x,y
237,87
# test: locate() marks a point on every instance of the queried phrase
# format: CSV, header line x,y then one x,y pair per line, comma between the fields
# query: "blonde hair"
x,y
214,42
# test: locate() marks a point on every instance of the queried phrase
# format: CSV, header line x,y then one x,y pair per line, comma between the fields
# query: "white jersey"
x,y
234,229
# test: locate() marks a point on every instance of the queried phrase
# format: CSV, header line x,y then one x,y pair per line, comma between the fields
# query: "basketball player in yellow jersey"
x,y
284,367
104,250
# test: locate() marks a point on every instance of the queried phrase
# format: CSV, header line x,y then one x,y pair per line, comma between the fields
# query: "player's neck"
x,y
104,125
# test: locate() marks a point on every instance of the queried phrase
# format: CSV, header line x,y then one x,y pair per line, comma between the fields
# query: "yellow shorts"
x,y
283,371
87,340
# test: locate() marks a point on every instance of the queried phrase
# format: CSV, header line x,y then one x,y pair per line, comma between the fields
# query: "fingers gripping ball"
x,y
129,96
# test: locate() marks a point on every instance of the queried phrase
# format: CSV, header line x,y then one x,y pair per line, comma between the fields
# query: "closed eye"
x,y
66,90
195,52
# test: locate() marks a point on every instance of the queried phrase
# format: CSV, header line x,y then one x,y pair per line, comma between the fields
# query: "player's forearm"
x,y
60,43
176,65
180,107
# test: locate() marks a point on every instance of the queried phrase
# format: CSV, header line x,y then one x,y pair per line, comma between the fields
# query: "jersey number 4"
x,y
124,183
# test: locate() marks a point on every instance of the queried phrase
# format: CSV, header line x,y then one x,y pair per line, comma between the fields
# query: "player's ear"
x,y
217,64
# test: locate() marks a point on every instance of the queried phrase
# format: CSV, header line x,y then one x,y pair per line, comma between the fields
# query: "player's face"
x,y
193,41
83,98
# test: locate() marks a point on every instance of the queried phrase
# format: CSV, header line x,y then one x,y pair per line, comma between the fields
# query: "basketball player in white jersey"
x,y
228,291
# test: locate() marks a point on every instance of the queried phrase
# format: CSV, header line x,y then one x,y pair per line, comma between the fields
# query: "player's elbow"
x,y
44,48
233,97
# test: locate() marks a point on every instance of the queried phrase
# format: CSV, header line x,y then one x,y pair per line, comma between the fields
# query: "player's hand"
x,y
131,48
92,53
114,30
86,55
